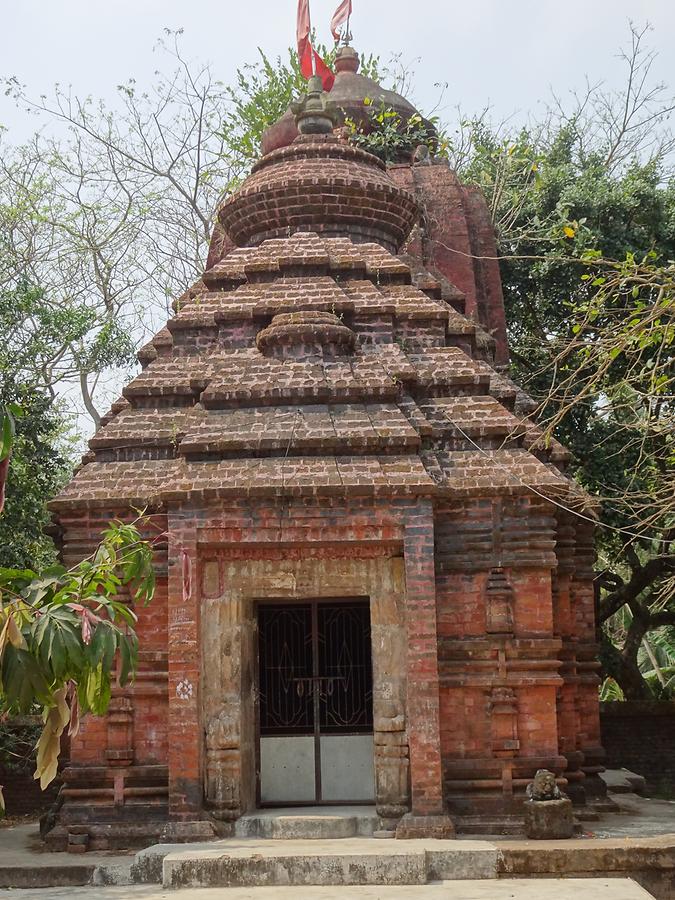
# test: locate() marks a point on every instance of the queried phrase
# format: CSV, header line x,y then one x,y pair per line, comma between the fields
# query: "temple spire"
x,y
315,113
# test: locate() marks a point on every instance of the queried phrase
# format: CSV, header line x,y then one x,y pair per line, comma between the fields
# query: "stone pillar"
x,y
427,818
185,756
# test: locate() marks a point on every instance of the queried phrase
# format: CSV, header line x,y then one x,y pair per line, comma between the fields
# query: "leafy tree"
x,y
584,210
34,334
39,467
115,222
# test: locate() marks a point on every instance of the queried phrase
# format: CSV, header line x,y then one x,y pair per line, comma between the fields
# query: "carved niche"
x,y
498,603
503,710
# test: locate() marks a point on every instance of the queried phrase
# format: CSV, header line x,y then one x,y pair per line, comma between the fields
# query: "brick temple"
x,y
372,587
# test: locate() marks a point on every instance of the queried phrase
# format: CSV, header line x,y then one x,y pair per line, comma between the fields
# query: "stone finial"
x,y
305,333
347,60
548,814
315,113
543,787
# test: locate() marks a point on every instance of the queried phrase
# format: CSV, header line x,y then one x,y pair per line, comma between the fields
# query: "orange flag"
x,y
310,61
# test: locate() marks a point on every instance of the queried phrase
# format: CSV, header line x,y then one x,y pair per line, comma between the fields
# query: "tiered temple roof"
x,y
401,403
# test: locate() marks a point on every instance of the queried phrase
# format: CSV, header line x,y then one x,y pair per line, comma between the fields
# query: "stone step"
x,y
623,781
45,876
492,825
347,861
315,823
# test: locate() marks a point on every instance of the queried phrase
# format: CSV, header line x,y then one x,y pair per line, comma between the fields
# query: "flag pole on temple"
x,y
341,16
310,61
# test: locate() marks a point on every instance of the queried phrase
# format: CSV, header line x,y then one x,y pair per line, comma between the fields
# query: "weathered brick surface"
x,y
458,242
323,418
322,184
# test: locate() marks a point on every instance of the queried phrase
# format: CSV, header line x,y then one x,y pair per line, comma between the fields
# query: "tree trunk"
x,y
625,672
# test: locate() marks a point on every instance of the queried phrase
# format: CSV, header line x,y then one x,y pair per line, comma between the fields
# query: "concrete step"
x,y
309,823
346,861
65,873
507,889
493,825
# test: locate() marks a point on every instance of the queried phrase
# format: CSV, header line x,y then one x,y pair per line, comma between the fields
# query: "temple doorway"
x,y
315,703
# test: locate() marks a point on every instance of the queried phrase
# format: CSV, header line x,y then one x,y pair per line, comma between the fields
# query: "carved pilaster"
x,y
223,766
392,762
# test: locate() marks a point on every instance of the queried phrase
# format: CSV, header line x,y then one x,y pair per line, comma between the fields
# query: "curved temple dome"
x,y
355,95
323,184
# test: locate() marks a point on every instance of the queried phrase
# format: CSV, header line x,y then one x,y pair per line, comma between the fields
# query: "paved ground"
x,y
507,889
640,820
20,845
638,817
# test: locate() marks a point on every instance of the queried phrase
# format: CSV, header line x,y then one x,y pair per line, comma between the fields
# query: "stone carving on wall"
x,y
498,603
184,689
503,710
392,761
223,766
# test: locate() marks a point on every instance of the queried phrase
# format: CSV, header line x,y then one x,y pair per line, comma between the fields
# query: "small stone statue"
x,y
548,813
421,156
543,787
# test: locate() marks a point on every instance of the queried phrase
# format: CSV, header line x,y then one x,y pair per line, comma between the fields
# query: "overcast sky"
x,y
508,53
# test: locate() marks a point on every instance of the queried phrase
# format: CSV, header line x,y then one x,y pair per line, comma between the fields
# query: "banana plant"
x,y
67,635
8,416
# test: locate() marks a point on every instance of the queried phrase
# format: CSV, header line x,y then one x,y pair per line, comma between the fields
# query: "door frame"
x,y
314,603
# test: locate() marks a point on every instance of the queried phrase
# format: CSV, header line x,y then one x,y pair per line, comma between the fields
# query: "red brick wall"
x,y
449,555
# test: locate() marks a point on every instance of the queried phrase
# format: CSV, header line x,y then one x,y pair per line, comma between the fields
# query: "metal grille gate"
x,y
315,702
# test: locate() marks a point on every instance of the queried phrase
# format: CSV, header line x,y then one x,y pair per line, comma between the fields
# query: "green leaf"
x,y
7,433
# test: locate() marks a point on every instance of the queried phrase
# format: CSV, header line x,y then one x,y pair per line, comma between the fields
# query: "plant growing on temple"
x,y
67,635
392,138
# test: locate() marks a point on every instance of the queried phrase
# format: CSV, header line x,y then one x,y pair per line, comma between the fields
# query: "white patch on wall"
x,y
184,689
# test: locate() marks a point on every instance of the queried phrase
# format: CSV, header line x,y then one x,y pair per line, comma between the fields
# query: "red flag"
x,y
342,13
186,572
310,61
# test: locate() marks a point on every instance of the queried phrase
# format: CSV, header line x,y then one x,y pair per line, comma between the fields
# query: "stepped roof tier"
x,y
313,365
